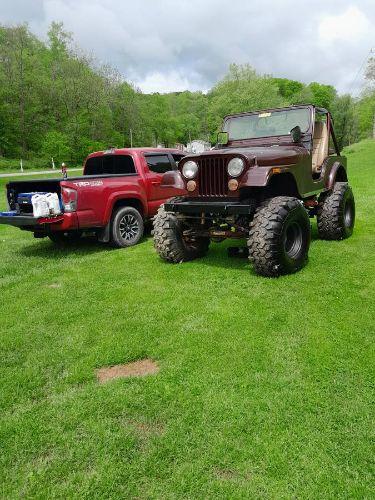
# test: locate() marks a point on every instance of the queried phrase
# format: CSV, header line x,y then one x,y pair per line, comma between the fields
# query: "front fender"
x,y
256,177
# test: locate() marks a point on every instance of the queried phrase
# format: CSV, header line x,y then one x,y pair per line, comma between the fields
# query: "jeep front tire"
x,y
170,243
279,237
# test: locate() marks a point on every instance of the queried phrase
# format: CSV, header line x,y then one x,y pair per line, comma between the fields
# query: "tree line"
x,y
57,101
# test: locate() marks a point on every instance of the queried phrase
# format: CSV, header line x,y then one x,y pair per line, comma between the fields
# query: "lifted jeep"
x,y
269,173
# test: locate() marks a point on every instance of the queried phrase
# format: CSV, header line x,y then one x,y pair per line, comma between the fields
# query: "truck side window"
x,y
158,163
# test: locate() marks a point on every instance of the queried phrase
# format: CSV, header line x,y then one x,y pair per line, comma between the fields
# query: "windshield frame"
x,y
278,137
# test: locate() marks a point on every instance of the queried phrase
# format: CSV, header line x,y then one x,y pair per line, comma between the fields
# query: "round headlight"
x,y
235,167
190,169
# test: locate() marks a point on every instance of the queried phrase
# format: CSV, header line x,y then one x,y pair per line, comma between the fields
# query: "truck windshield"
x,y
267,123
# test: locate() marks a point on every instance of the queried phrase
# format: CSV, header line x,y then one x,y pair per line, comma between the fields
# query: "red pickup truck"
x,y
119,190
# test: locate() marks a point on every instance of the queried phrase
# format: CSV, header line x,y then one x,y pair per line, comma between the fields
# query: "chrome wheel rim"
x,y
129,227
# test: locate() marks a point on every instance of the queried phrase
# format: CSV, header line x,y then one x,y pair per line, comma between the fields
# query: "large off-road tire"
x,y
336,213
64,237
279,237
169,241
127,227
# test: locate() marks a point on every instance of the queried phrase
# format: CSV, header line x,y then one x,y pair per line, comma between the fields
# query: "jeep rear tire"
x,y
127,227
336,213
279,237
170,243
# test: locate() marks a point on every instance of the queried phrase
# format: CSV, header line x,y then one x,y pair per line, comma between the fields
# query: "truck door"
x,y
157,165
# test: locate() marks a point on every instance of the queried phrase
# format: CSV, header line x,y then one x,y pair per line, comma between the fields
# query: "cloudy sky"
x,y
167,45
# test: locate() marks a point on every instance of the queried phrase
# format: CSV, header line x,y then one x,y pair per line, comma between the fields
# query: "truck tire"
x,y
127,227
279,237
65,237
336,213
169,242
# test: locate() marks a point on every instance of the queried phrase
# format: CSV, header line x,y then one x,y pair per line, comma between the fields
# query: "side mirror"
x,y
296,134
222,138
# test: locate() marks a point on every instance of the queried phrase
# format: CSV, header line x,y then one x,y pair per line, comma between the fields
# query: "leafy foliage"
x,y
56,101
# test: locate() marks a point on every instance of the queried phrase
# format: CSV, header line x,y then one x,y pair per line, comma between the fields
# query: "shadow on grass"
x,y
84,246
46,249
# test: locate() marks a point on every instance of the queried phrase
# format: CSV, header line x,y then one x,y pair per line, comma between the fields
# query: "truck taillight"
x,y
69,198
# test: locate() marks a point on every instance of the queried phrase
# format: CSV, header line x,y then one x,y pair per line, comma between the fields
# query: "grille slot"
x,y
212,177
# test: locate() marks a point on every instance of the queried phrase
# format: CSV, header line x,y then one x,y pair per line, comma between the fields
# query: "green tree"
x,y
242,89
56,145
345,120
288,89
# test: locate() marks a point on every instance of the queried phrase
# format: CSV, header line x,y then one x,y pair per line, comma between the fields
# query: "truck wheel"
x,y
127,227
279,237
170,243
336,213
65,237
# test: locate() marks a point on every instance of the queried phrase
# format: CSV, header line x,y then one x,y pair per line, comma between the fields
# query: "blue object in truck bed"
x,y
26,197
8,214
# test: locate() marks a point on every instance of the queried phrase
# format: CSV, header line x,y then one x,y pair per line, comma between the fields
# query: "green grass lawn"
x,y
38,164
265,389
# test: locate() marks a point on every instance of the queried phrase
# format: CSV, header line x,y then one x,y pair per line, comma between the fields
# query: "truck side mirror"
x,y
222,138
296,134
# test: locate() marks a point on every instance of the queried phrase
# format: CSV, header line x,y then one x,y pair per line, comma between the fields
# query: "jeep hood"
x,y
262,155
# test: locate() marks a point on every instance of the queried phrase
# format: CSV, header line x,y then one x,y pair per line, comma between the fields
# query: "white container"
x,y
40,205
53,203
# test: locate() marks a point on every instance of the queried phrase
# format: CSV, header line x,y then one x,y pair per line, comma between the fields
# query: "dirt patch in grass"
x,y
147,428
139,368
225,474
231,475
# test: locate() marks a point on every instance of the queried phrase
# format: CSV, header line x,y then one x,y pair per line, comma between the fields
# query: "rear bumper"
x,y
208,207
19,220
62,222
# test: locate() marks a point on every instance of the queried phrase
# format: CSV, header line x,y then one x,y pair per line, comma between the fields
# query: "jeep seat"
x,y
320,146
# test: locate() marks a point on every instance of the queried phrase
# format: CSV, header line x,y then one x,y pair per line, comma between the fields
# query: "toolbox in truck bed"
x,y
24,202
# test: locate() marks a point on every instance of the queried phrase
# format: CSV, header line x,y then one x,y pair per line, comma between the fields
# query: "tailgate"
x,y
29,220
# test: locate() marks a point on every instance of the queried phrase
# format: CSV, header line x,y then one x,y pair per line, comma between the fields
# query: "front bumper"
x,y
208,207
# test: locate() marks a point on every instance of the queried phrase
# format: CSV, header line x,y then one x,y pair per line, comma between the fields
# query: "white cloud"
x,y
171,81
346,27
166,45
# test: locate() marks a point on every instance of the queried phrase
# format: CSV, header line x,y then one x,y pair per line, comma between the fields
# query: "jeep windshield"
x,y
267,123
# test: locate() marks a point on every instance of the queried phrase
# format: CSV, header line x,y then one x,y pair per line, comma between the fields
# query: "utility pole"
x,y
131,138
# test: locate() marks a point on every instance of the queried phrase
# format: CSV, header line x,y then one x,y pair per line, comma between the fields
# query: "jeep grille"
x,y
212,177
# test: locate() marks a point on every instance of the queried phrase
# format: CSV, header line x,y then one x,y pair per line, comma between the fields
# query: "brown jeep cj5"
x,y
269,173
